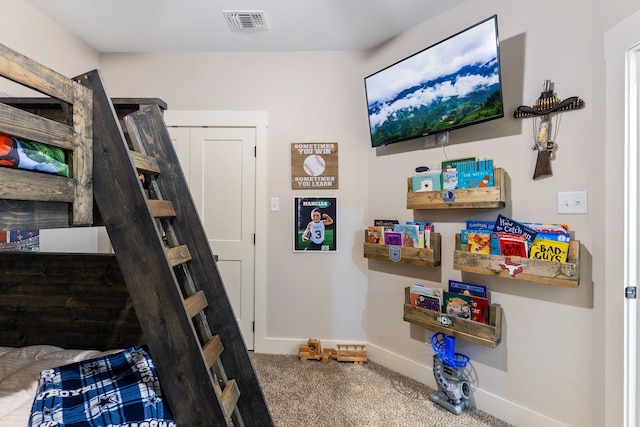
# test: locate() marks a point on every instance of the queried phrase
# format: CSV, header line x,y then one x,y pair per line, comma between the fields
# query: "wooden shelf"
x,y
468,330
467,198
545,272
415,256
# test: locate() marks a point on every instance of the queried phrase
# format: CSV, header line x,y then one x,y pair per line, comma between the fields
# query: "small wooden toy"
x,y
356,353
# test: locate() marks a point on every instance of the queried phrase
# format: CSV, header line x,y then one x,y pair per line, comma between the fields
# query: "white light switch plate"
x,y
572,202
275,204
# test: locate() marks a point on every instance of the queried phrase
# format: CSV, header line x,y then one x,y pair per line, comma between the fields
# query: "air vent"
x,y
245,21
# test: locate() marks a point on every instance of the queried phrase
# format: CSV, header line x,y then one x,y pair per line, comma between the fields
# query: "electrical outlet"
x,y
572,202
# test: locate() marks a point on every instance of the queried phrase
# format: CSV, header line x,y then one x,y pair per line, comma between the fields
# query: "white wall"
x,y
550,367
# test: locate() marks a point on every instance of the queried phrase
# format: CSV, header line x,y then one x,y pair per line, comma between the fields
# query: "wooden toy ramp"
x,y
169,270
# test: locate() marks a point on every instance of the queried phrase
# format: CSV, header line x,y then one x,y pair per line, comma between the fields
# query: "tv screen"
x,y
449,85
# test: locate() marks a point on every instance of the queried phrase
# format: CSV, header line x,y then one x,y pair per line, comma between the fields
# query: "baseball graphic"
x,y
314,165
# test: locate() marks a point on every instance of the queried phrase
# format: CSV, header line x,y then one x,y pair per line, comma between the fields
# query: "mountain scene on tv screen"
x,y
469,95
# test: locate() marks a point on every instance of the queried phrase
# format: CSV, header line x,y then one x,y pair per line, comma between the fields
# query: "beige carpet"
x,y
341,394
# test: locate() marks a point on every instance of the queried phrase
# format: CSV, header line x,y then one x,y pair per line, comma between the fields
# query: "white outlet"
x,y
572,202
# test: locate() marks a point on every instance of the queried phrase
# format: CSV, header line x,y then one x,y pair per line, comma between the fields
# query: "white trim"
x,y
620,53
257,120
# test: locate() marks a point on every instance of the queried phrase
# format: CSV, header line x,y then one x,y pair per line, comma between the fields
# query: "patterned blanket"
x,y
16,153
111,391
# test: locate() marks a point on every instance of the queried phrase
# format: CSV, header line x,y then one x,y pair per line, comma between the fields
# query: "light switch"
x,y
275,204
572,202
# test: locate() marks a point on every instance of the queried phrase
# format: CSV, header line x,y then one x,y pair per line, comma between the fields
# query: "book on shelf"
x,y
480,310
375,234
480,225
470,289
479,298
553,247
410,235
475,174
504,224
453,163
424,225
479,242
513,245
449,179
457,305
392,238
428,181
386,223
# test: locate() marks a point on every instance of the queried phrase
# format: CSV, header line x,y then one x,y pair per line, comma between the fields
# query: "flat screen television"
x,y
451,84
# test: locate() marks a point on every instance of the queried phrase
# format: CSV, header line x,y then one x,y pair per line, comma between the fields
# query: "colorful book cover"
x,y
375,234
478,174
449,179
392,238
426,301
469,289
505,224
480,225
453,163
424,225
549,250
480,310
513,245
429,181
479,242
457,305
386,223
410,235
426,290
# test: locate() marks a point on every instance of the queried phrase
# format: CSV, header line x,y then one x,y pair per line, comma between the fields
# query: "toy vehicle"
x,y
312,350
356,353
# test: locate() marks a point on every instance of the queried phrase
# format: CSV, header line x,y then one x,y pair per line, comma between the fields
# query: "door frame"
x,y
258,121
621,344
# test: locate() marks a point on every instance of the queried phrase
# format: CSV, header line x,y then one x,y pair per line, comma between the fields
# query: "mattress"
x,y
19,374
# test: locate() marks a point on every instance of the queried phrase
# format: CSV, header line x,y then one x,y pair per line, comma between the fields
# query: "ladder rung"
x,y
144,163
162,208
212,350
229,398
178,255
195,303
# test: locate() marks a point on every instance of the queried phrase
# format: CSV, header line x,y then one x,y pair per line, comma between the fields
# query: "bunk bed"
x,y
174,307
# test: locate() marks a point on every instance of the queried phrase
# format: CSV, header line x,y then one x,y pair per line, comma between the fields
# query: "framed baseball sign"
x,y
314,165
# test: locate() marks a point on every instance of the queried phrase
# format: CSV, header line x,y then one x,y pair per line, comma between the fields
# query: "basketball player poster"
x,y
315,227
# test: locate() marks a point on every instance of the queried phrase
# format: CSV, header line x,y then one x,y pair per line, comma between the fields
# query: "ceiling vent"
x,y
245,21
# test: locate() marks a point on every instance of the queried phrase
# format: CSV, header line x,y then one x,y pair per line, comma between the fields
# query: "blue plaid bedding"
x,y
116,390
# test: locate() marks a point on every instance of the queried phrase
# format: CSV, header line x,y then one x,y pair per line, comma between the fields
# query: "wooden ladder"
x,y
170,272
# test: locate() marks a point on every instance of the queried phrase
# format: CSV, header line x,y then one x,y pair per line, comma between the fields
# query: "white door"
x,y
220,166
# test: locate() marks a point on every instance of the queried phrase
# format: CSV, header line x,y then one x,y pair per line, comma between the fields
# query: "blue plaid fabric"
x,y
116,390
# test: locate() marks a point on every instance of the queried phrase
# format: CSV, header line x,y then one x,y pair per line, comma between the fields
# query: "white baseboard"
x,y
490,403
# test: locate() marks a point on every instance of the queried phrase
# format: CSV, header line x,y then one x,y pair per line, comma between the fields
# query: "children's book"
x,y
453,163
480,310
449,179
475,174
421,295
505,224
513,245
392,238
457,305
375,234
428,181
480,225
469,289
410,235
479,242
386,223
549,250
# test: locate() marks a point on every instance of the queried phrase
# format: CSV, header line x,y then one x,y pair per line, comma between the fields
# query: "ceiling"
x,y
199,25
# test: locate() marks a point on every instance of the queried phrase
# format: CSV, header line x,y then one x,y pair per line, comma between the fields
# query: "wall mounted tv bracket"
x,y
546,105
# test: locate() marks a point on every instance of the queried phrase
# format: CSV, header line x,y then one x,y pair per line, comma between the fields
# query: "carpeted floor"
x,y
341,394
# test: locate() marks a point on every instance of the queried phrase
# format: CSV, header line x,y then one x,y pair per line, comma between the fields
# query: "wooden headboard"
x,y
70,300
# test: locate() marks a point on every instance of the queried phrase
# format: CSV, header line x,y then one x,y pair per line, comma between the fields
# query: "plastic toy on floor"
x,y
453,391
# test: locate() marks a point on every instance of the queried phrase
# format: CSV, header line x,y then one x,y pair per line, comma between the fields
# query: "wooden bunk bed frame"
x,y
175,302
